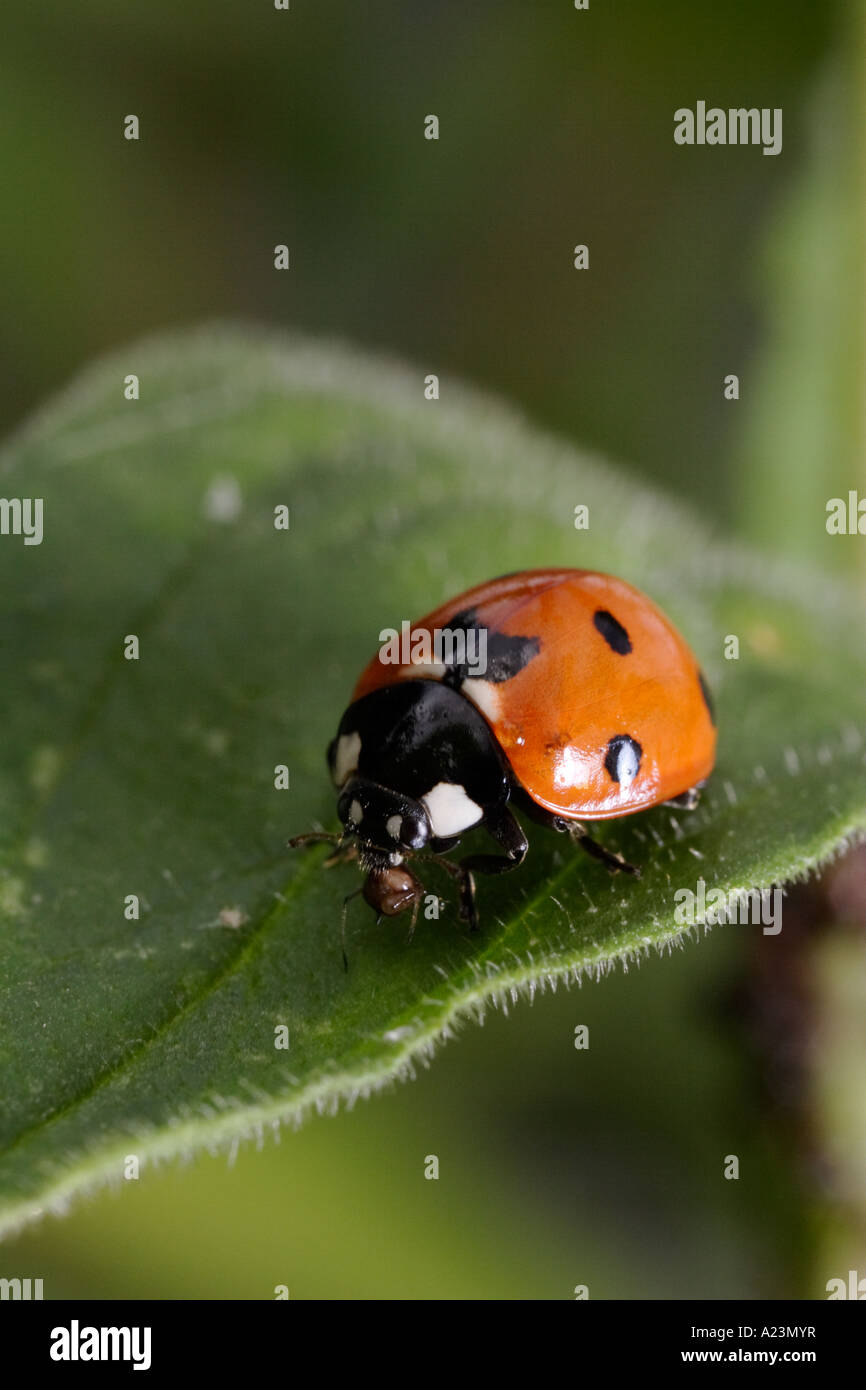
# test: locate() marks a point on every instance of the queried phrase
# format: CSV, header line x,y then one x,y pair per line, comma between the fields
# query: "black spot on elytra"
x,y
506,656
708,699
615,747
613,632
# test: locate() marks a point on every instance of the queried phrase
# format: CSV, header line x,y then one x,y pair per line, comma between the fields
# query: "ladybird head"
x,y
382,819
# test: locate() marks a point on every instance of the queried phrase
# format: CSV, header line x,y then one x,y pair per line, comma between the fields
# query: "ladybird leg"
x,y
344,916
507,831
465,871
611,860
466,886
468,910
687,801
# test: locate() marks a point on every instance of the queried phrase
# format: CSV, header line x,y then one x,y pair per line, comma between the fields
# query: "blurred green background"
x,y
557,1167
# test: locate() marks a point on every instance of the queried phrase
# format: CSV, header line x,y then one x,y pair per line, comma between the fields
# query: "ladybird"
x,y
570,695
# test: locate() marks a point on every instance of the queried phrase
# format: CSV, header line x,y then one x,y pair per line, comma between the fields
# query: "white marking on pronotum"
x,y
484,696
356,815
393,825
346,757
450,809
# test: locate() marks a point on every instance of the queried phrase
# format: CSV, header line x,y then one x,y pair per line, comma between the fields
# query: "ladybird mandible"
x,y
564,692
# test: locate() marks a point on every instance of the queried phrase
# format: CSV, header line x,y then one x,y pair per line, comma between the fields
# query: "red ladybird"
x,y
563,691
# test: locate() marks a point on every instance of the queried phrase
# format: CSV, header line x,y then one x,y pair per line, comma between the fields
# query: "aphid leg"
x,y
344,916
415,908
612,861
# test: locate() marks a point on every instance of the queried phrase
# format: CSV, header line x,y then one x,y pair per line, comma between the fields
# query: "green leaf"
x,y
155,777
